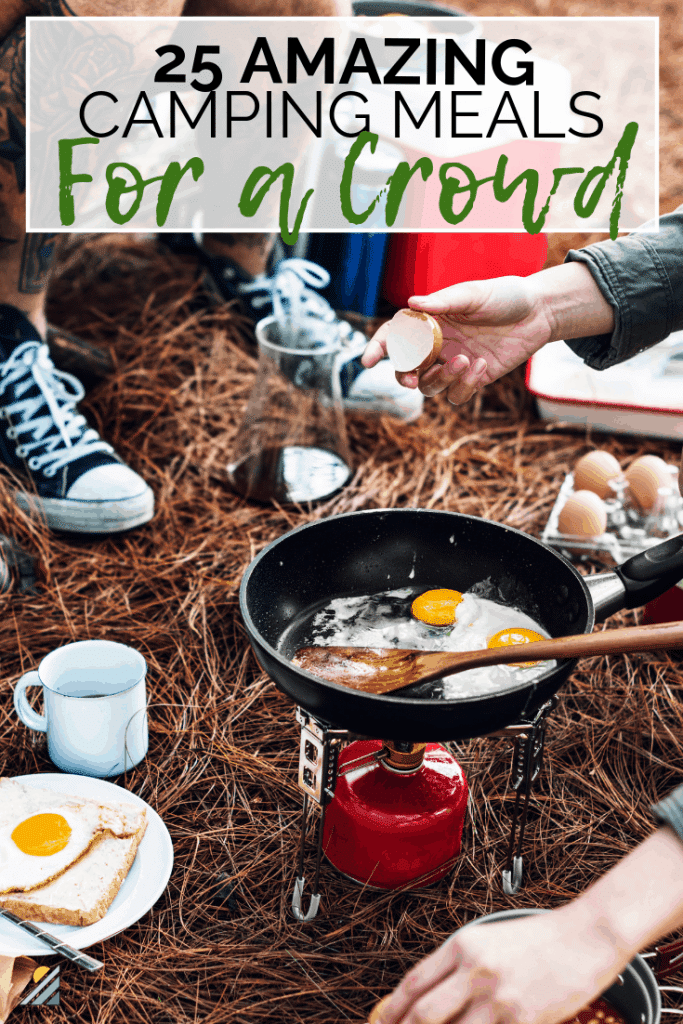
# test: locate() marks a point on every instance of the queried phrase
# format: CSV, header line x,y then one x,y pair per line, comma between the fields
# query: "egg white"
x,y
362,622
21,872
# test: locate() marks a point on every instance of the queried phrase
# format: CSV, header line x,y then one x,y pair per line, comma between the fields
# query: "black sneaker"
x,y
289,289
225,280
78,482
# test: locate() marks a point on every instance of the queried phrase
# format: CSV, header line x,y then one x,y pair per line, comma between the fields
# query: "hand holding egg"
x,y
414,341
488,328
411,340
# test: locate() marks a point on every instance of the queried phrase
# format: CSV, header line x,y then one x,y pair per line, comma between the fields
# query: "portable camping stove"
x,y
415,792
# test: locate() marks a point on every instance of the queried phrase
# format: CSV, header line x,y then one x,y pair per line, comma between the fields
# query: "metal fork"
x,y
68,952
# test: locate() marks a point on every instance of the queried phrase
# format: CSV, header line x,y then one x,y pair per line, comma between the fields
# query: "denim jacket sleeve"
x,y
641,276
669,811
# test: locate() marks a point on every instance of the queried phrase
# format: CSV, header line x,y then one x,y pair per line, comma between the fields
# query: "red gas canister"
x,y
418,264
396,820
668,607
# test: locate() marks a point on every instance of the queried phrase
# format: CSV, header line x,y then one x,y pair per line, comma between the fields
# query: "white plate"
x,y
141,888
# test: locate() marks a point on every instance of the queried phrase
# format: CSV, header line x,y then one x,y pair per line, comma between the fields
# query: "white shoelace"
x,y
30,364
291,290
291,293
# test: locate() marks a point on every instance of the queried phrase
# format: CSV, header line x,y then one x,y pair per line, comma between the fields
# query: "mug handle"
x,y
22,707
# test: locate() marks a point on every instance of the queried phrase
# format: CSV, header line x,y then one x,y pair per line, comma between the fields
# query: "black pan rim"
x,y
455,702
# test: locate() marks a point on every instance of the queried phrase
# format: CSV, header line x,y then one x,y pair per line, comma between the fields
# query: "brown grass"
x,y
222,764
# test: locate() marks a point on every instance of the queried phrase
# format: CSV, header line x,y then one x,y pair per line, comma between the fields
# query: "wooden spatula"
x,y
385,670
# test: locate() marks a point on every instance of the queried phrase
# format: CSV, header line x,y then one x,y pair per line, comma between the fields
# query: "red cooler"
x,y
418,264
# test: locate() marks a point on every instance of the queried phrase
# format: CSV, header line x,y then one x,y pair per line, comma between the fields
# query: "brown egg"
x,y
414,340
644,478
594,471
583,515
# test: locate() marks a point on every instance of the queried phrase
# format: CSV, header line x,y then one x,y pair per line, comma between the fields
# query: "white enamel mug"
x,y
95,707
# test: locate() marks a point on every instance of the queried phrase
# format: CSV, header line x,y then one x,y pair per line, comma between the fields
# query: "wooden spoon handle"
x,y
385,670
625,640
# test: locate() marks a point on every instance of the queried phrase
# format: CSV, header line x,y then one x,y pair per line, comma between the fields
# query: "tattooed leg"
x,y
11,13
24,259
249,251
36,257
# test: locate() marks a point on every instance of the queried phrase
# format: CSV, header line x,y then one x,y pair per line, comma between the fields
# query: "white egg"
x,y
469,611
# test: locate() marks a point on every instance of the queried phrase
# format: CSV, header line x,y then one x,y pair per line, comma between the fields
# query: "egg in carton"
x,y
604,512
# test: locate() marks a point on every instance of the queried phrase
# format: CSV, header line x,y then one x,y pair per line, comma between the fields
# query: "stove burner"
x,y
319,772
403,756
527,761
318,757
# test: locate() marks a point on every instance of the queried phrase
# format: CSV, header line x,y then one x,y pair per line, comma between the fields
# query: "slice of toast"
x,y
83,894
121,820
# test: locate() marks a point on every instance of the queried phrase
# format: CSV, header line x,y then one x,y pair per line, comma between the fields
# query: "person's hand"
x,y
489,328
540,969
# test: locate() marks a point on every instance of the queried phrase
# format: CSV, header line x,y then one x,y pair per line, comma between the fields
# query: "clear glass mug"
x,y
292,444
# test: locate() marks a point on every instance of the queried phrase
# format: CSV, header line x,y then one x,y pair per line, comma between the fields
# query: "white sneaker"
x,y
377,391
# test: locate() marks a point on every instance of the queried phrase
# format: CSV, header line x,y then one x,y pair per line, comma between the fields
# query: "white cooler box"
x,y
642,396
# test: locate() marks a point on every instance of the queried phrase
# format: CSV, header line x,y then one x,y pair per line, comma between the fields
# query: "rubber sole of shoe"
x,y
89,516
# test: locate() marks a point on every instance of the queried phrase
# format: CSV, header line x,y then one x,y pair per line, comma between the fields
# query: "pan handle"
x,y
652,572
637,580
607,593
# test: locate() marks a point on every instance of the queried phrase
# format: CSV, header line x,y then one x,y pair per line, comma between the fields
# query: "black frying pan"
x,y
368,552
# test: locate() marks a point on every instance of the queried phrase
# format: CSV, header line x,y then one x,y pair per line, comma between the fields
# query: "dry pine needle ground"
x,y
222,764
221,769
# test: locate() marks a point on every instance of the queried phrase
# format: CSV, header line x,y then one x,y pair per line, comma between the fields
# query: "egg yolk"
x,y
42,835
437,607
513,637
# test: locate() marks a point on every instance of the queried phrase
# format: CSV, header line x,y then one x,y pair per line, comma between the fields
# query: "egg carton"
x,y
612,544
